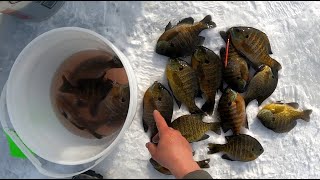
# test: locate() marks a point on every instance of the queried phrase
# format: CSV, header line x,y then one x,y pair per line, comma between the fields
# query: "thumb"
x,y
152,149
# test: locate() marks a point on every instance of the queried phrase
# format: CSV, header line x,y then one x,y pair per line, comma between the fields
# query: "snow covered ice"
x,y
134,27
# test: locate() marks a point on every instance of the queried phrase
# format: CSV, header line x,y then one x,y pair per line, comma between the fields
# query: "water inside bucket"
x,y
90,94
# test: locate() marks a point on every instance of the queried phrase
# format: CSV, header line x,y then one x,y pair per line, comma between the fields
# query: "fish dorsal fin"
x,y
169,26
188,20
293,104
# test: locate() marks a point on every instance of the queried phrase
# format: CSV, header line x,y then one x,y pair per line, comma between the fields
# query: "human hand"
x,y
173,150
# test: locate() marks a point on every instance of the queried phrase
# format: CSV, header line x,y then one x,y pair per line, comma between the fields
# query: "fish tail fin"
x,y
207,21
204,163
216,128
214,148
208,107
306,115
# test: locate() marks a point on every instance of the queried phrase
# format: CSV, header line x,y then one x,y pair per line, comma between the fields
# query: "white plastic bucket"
x,y
29,104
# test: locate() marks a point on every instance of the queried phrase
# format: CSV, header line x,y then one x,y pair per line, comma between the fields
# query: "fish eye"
x,y
247,36
181,68
159,98
260,149
123,100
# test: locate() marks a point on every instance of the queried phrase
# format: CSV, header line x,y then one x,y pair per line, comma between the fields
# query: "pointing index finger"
x,y
161,123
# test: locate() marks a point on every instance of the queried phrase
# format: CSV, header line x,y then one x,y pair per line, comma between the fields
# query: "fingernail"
x,y
147,144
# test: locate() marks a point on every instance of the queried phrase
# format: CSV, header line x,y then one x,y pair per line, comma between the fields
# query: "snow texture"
x,y
134,28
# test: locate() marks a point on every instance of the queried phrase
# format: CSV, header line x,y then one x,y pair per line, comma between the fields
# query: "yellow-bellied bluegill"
x,y
254,45
232,111
159,98
238,148
182,39
236,72
262,85
193,128
282,117
163,170
209,71
183,82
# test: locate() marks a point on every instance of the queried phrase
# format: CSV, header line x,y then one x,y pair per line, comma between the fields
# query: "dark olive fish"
x,y
232,111
93,68
182,39
159,98
193,128
262,85
209,71
236,73
163,170
183,82
254,45
282,117
238,148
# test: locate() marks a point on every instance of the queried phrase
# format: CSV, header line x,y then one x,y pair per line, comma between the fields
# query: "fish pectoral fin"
x,y
200,40
225,156
204,137
188,20
293,104
169,26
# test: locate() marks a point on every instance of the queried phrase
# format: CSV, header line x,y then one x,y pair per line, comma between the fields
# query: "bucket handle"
x,y
33,159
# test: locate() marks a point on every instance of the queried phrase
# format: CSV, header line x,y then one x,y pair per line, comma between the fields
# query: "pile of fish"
x,y
92,102
246,48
